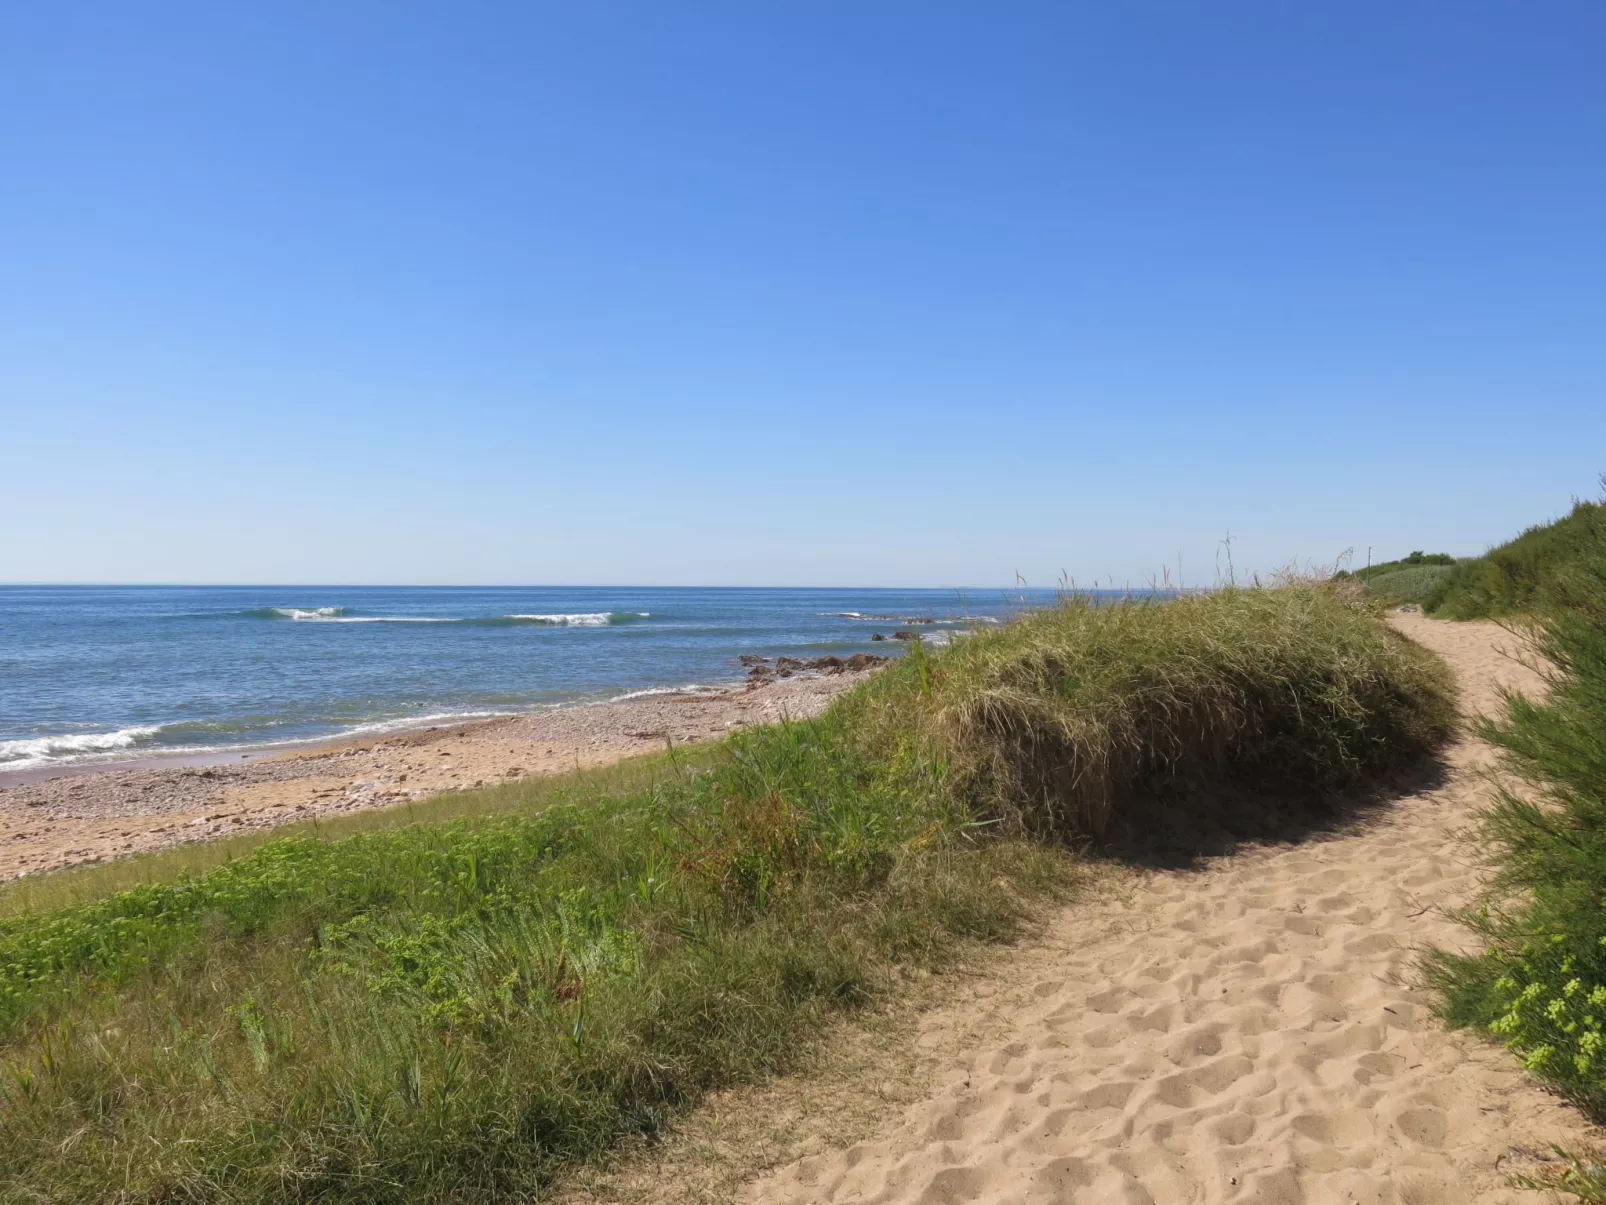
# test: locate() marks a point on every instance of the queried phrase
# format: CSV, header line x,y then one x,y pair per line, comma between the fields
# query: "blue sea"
x,y
108,673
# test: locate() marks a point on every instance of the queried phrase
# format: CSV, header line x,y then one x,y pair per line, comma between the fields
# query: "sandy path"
x,y
1241,1033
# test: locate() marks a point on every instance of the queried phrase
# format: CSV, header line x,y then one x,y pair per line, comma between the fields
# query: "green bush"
x,y
1541,984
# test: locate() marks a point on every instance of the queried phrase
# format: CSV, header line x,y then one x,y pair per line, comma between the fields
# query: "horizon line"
x,y
333,585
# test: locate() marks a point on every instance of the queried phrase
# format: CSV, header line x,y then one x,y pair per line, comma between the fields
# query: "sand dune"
x,y
1247,1032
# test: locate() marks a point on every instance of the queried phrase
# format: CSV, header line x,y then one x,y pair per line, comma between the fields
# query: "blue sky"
x,y
891,294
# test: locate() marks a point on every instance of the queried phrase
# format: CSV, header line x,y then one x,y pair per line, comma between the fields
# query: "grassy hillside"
x,y
455,1009
1411,579
1414,561
1515,577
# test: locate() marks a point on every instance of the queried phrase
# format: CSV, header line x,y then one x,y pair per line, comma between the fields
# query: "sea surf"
x,y
113,673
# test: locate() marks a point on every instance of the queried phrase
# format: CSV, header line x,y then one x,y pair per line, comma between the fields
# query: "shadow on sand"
x,y
1173,826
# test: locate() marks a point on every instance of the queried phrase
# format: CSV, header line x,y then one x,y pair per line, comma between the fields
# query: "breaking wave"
x,y
36,751
691,688
588,619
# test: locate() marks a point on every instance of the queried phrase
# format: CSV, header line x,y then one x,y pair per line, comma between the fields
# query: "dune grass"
x,y
1412,560
1055,725
1515,577
458,1007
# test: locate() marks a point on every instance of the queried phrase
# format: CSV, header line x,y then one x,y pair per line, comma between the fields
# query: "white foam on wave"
x,y
691,688
338,615
591,619
877,617
392,619
414,721
588,619
36,751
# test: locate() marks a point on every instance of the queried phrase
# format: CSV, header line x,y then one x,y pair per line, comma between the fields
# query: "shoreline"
x,y
103,812
94,812
376,730
759,670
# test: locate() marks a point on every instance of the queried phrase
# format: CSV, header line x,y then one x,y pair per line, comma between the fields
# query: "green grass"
x,y
1514,578
41,893
1412,585
1415,560
1411,579
456,1008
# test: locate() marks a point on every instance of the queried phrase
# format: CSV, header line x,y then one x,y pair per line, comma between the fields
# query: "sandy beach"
x,y
81,817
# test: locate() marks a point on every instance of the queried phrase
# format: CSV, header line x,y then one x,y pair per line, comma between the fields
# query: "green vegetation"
x,y
1515,577
1414,561
1583,1176
455,1009
1409,585
1411,579
1052,725
1541,984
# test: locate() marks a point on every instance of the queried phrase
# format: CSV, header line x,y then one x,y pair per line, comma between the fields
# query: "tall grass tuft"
x,y
456,1010
1052,726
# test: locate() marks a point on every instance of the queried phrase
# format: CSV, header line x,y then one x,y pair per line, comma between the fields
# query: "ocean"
x,y
114,673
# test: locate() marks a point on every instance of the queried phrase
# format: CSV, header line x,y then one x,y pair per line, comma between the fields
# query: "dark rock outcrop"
x,y
785,667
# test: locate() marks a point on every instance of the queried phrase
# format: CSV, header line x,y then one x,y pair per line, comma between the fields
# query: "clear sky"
x,y
826,293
